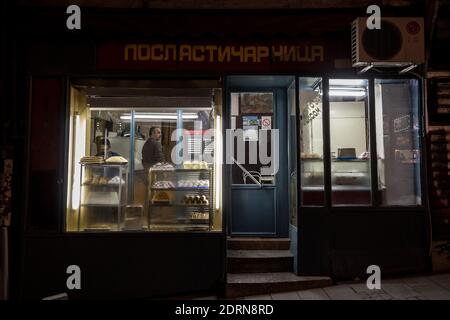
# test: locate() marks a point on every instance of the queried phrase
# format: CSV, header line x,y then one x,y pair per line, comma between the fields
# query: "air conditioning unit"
x,y
399,42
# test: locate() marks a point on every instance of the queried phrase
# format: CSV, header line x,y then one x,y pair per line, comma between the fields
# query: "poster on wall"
x,y
250,126
256,103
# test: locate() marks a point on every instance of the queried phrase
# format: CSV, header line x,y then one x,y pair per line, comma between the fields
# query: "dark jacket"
x,y
151,153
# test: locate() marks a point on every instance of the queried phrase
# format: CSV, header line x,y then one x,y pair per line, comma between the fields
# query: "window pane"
x,y
349,142
398,131
252,118
137,171
311,141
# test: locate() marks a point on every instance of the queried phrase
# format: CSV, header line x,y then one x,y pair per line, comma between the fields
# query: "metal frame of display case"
x,y
177,175
122,170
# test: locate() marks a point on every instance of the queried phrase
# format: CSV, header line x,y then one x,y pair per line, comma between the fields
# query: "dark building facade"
x,y
350,189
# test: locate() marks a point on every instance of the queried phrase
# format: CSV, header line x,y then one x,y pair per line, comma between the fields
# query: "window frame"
x,y
375,198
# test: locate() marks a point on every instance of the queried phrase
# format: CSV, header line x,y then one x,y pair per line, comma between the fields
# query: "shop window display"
x,y
349,142
311,141
398,147
397,132
131,168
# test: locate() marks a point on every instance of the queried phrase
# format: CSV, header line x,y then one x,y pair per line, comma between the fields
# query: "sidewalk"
x,y
430,287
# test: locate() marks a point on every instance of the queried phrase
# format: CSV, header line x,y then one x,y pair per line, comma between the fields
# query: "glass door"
x,y
253,159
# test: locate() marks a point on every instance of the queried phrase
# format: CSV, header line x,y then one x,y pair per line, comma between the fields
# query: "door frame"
x,y
281,223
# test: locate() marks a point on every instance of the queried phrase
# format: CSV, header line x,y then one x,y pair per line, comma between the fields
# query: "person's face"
x,y
102,148
156,134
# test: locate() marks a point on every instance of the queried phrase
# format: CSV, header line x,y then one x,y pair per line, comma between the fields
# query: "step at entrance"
x,y
245,261
258,243
264,265
249,284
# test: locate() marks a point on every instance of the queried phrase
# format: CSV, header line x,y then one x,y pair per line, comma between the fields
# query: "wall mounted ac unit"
x,y
399,42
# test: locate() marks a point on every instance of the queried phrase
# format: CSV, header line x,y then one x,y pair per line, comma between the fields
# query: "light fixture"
x,y
348,82
79,138
346,93
158,116
218,159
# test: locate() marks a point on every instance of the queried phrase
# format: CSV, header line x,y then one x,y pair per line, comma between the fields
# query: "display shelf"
x,y
179,205
194,221
102,203
180,170
105,205
112,185
174,211
181,189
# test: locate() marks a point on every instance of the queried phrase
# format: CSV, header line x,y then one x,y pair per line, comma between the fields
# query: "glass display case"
x,y
350,173
103,197
180,199
312,172
344,172
350,181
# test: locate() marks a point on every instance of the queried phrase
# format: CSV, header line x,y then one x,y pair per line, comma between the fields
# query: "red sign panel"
x,y
213,57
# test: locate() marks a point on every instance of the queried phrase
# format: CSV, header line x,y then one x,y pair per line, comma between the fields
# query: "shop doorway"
x,y
257,162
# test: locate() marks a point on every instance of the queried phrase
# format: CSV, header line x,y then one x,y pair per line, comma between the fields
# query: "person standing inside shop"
x,y
104,150
104,146
152,151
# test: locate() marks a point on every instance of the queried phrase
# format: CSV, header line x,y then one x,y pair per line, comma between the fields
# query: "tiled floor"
x,y
433,287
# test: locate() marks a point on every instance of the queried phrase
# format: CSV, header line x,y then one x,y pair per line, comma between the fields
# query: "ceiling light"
x,y
348,82
347,93
158,116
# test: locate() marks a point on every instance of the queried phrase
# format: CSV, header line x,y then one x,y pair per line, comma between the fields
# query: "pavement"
x,y
424,287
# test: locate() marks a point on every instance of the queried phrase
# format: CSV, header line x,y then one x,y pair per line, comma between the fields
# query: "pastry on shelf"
x,y
116,180
103,180
92,160
161,197
116,159
204,200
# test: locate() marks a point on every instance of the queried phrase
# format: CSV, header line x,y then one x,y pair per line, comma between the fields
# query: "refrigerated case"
x,y
180,199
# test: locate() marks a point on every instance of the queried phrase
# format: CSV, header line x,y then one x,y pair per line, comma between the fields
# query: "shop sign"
x,y
211,57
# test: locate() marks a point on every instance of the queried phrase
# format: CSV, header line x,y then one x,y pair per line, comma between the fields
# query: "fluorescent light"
x,y
348,82
159,116
218,159
80,132
347,93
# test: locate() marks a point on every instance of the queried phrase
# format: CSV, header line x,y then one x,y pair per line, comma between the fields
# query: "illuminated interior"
x,y
170,182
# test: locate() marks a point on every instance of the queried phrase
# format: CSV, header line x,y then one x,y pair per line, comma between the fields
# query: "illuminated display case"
x,y
350,173
180,199
103,197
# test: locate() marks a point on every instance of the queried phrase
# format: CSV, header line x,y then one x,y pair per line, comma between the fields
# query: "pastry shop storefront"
x,y
145,156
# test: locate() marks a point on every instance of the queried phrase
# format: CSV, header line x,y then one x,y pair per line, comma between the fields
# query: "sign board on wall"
x,y
213,57
266,122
